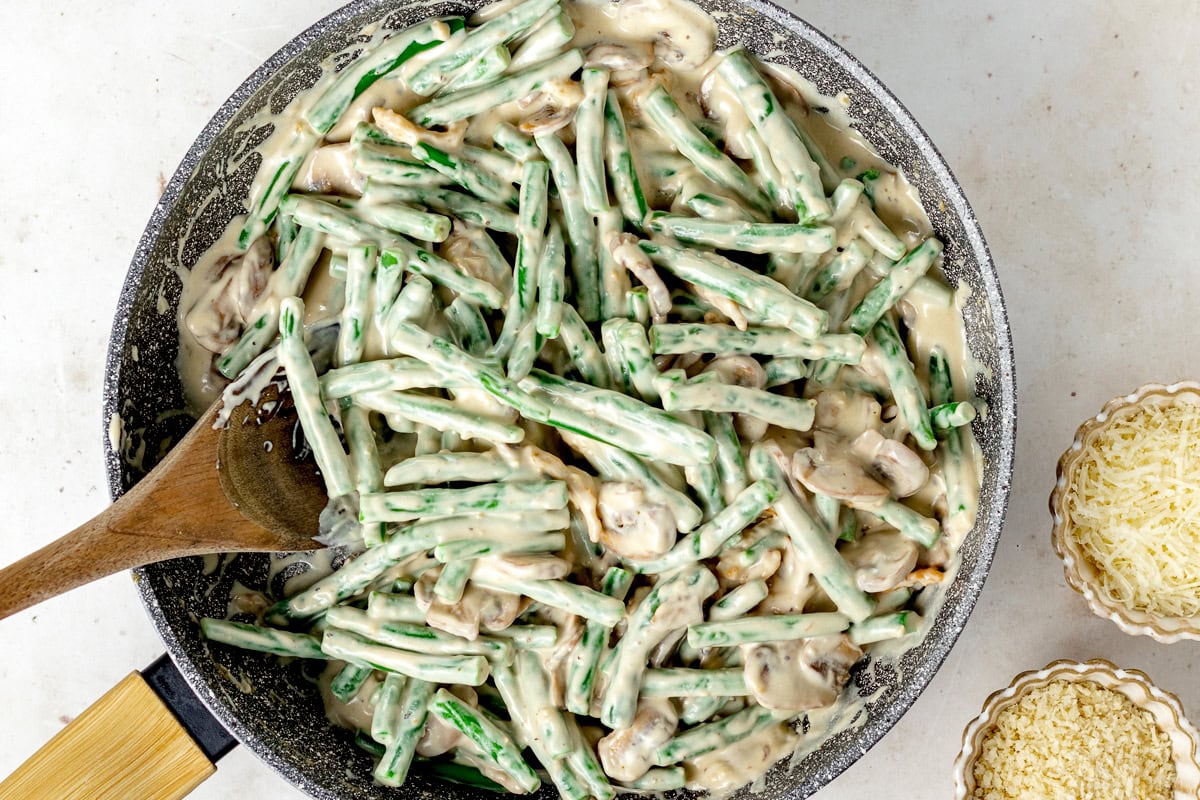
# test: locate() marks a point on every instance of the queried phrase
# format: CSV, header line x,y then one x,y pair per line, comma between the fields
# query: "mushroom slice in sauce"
x,y
625,57
847,413
684,34
550,108
881,560
628,754
331,169
438,737
837,476
799,675
739,371
627,254
535,567
891,462
234,284
634,527
401,129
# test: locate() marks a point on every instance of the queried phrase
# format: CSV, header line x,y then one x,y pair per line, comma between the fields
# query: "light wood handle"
x,y
126,745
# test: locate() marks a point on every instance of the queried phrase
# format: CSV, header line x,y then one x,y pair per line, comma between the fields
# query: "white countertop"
x,y
1071,127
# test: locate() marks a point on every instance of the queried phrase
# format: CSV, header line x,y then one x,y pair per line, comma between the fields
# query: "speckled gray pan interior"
x,y
275,710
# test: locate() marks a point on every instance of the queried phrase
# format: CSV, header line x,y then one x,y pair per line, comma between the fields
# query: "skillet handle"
x,y
128,744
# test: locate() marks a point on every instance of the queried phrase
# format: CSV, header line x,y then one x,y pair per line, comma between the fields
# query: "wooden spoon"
x,y
240,488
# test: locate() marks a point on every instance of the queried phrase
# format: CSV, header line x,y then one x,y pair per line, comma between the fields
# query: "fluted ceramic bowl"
x,y
1081,573
1163,706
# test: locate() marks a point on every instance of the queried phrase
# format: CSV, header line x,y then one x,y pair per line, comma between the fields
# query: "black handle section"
x,y
166,681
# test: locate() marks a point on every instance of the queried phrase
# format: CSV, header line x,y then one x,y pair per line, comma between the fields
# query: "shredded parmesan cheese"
x,y
1074,739
1135,509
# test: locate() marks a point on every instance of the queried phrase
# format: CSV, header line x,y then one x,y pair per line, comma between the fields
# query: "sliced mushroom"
x,y
627,254
791,587
684,35
891,462
846,413
732,567
623,57
799,675
739,371
628,754
837,476
215,320
881,560
719,101
401,129
354,714
634,527
729,310
534,567
551,107
462,249
331,169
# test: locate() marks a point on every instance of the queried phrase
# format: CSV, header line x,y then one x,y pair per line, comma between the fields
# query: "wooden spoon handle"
x,y
127,744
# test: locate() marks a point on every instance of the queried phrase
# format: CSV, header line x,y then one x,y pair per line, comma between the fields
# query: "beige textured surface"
x,y
1071,127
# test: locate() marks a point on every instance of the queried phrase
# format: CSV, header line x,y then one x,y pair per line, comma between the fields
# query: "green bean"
x,y
551,727
694,683
460,105
637,305
585,658
545,40
780,135
947,416
581,347
409,727
768,174
468,550
884,627
755,291
810,537
467,174
360,266
451,467
739,601
953,453
349,680
442,415
840,272
435,74
581,229
751,237
722,733
525,350
395,374
777,628
394,608
622,169
455,204
527,735
643,632
492,742
439,270
707,540
289,279
386,716
692,446
784,412
451,584
784,370
414,303
306,392
264,640
266,194
552,280
487,66
589,140
516,496
658,780
921,529
469,670
414,222
728,340
572,598
338,222
730,463
711,207
895,285
395,166
515,143
362,73
364,461
662,111
531,234
906,389
469,327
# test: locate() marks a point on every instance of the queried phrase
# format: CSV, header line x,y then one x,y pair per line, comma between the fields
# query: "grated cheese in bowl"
x,y
1126,512
1079,730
